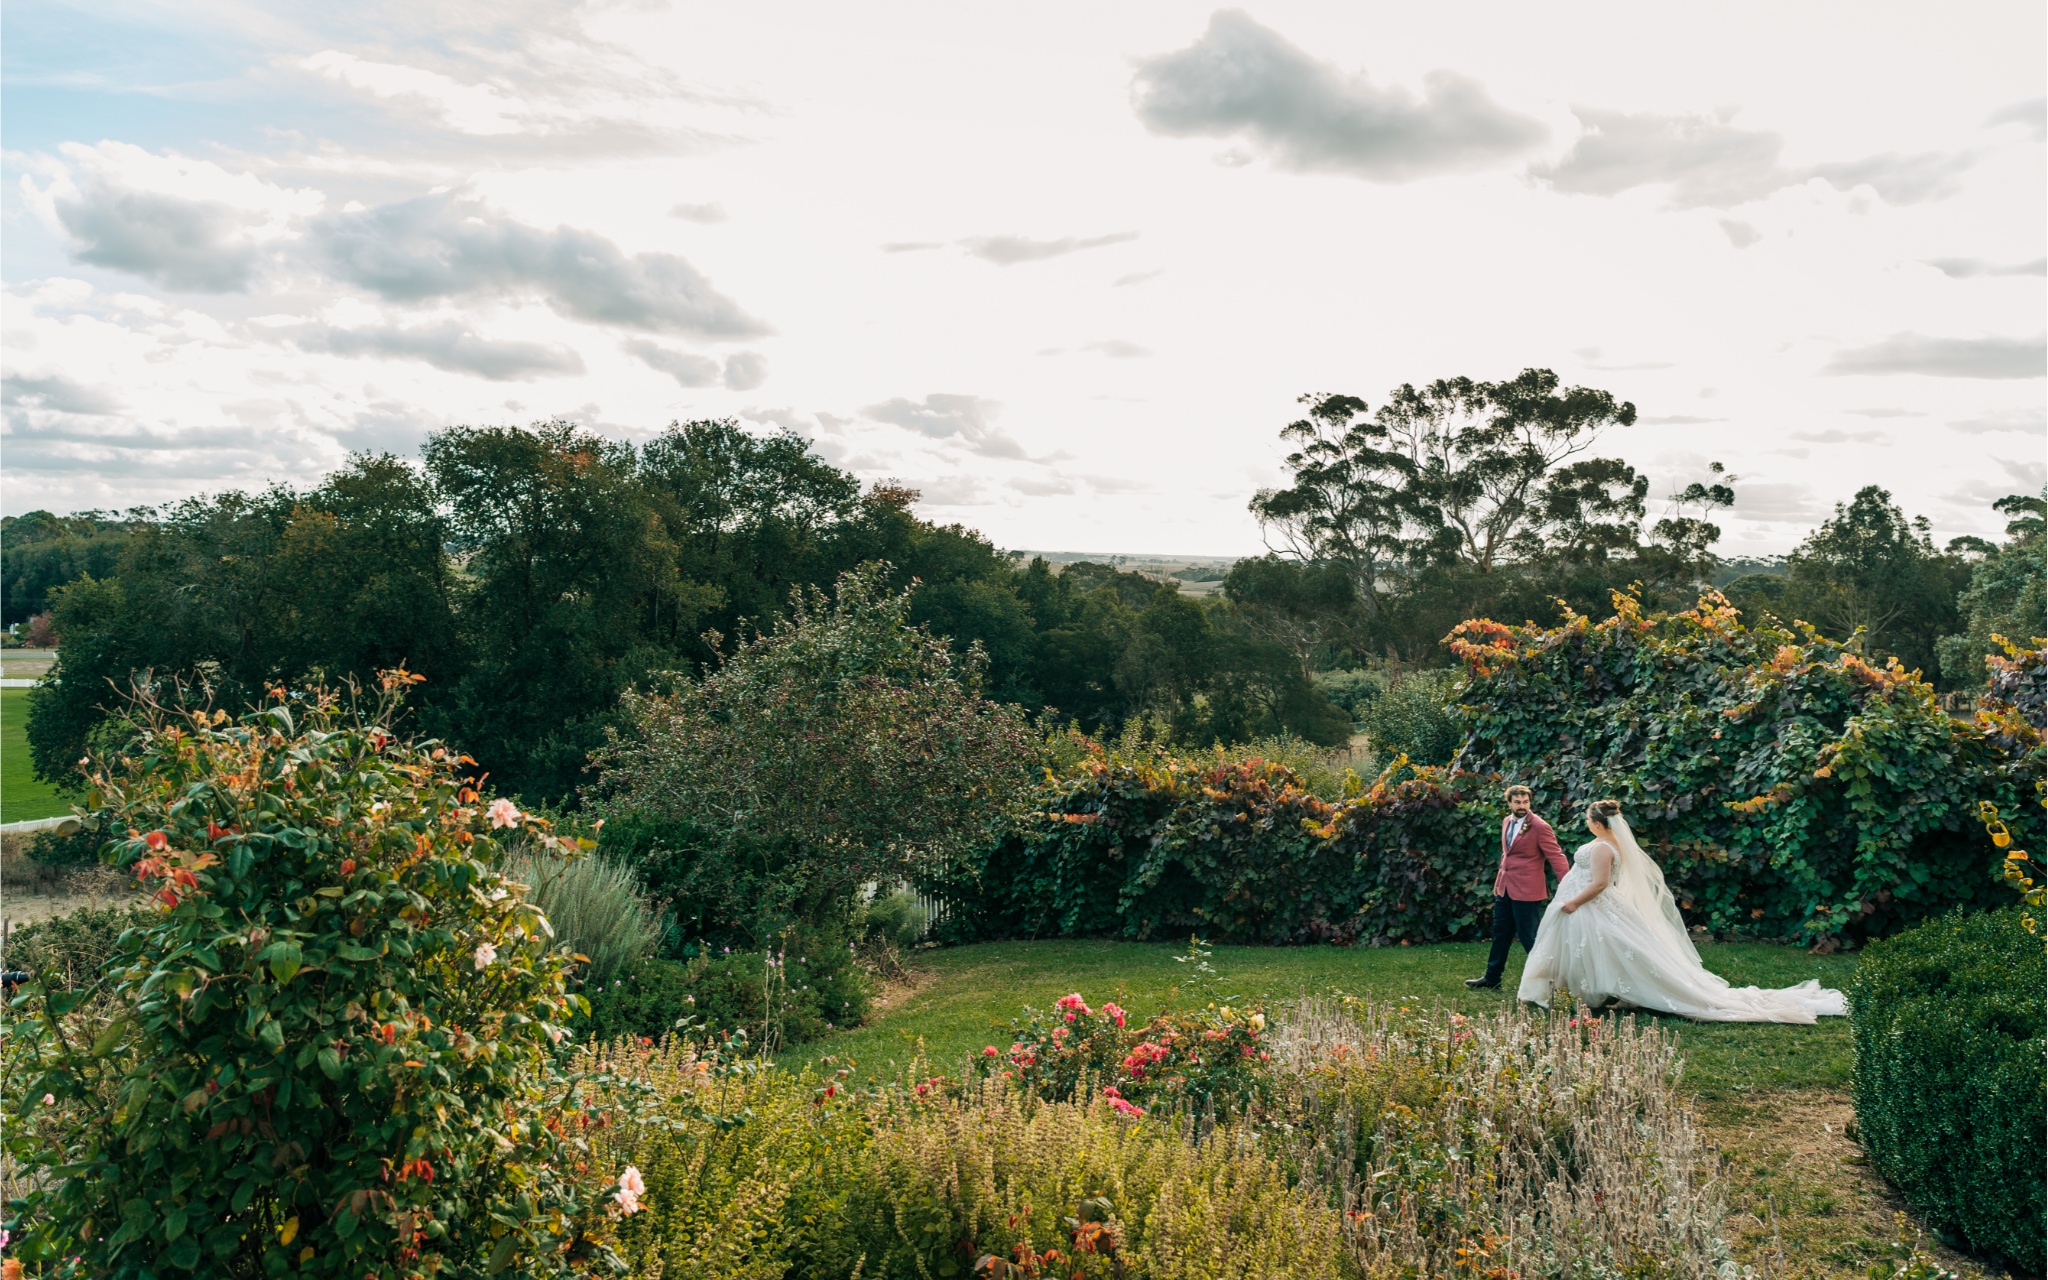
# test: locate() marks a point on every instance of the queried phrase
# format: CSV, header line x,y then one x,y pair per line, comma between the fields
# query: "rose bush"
x,y
330,1050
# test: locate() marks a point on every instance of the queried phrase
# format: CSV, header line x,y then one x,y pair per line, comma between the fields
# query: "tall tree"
x,y
1457,471
1868,568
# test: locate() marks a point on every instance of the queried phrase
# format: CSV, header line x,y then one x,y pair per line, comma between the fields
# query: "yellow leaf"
x,y
289,1231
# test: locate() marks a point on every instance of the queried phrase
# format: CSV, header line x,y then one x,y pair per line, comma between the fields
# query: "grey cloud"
x,y
440,246
1709,161
1240,79
2029,473
386,427
949,417
1136,277
1117,349
180,244
1008,251
1887,413
912,246
56,392
1042,486
2032,421
702,213
1969,268
1740,234
2032,114
449,346
1778,503
951,491
1902,179
1945,357
688,370
745,370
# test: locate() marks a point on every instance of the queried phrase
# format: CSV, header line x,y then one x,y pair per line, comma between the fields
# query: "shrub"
x,y
807,989
1204,1062
328,1049
1394,1142
1786,785
594,906
1238,851
843,747
1413,717
70,951
899,918
1948,1025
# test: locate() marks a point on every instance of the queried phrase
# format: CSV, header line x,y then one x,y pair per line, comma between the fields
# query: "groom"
x,y
1526,844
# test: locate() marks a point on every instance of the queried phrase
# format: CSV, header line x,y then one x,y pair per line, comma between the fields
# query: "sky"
x,y
1066,269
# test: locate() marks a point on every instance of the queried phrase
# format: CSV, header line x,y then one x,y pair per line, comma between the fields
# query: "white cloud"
x,y
1242,80
2030,421
468,108
706,214
1740,234
745,370
688,370
56,392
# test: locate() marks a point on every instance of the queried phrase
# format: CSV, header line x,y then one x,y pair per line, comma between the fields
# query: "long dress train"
x,y
1611,951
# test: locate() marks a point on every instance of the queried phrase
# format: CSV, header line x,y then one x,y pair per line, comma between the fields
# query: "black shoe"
x,y
1483,984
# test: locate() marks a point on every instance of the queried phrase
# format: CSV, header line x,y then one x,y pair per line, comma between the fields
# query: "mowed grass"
x,y
965,996
22,796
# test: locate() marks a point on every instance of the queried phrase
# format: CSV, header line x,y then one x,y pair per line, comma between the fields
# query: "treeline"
x,y
532,575
1464,499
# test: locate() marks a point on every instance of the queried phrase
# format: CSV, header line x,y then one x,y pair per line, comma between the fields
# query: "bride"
x,y
1613,935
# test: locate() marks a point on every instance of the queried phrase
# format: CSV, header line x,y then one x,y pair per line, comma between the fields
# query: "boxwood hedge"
x,y
1948,1022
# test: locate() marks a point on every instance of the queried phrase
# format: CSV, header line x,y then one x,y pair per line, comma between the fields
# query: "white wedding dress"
x,y
1629,946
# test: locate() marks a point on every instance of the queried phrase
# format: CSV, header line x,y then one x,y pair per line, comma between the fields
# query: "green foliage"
x,y
1949,1078
805,988
327,1051
1383,1142
40,552
1871,569
767,1174
1153,845
1210,1062
1414,717
67,952
898,918
2007,595
79,848
594,906
1786,784
843,746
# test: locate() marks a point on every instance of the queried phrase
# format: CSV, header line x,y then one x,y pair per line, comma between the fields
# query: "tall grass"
x,y
1511,1145
594,905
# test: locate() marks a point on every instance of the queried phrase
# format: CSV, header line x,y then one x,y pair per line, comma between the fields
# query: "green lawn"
x,y
21,796
966,994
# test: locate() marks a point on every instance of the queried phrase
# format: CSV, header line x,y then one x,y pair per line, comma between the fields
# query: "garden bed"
x,y
1774,1100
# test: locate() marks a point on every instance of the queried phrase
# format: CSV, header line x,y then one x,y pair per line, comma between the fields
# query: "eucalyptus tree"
x,y
1456,472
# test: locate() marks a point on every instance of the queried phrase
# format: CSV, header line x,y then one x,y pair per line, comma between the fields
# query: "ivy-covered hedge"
x,y
1238,851
1788,786
1948,1021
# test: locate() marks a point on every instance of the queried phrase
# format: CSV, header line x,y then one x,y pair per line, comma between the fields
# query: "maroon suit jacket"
x,y
1521,866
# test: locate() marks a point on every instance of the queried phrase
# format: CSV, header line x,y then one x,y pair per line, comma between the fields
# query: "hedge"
x,y
1238,851
1948,1023
1788,786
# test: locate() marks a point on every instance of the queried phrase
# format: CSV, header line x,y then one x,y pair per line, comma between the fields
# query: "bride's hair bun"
x,y
1604,812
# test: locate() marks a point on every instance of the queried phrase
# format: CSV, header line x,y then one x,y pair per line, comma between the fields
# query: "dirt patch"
x,y
25,903
893,990
1802,1199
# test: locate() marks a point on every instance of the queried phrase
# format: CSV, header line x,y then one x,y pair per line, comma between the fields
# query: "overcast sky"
x,y
1063,267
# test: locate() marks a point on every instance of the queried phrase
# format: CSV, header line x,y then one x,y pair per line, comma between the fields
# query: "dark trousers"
x,y
1511,920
